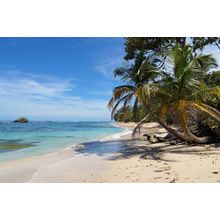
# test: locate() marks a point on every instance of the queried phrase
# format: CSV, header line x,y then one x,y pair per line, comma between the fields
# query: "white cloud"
x,y
28,87
46,98
55,110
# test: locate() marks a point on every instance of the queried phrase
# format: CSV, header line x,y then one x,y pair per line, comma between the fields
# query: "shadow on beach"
x,y
125,149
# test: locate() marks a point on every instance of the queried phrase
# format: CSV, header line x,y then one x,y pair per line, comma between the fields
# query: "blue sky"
x,y
58,78
68,79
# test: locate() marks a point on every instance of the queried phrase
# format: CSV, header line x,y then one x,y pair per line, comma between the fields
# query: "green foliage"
x,y
143,70
126,114
213,79
133,45
182,88
168,80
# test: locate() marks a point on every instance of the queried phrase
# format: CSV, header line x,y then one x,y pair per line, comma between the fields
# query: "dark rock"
x,y
146,135
21,120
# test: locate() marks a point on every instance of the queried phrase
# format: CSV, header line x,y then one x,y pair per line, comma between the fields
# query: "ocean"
x,y
19,140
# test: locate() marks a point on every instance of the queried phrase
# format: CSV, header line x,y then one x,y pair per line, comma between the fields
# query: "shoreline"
x,y
113,136
29,166
134,160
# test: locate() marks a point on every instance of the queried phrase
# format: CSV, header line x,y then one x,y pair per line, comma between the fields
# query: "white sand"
x,y
138,161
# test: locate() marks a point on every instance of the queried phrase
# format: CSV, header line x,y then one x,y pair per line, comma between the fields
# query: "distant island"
x,y
21,120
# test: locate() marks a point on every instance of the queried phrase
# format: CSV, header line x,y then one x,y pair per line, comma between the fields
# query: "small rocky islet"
x,y
21,120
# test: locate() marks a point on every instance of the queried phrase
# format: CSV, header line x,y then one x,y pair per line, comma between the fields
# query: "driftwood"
x,y
153,138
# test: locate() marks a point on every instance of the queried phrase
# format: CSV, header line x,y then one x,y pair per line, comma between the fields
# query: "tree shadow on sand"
x,y
124,149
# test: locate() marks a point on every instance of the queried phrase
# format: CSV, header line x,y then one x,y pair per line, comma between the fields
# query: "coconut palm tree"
x,y
134,76
181,89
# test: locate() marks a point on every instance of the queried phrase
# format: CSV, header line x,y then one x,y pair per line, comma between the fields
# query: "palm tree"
x,y
134,76
181,89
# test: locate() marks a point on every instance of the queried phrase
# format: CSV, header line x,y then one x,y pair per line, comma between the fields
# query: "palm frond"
x,y
138,126
123,99
206,62
146,92
119,92
208,109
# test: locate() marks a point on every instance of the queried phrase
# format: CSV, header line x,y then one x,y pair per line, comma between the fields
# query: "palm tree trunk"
x,y
172,130
189,136
186,136
168,128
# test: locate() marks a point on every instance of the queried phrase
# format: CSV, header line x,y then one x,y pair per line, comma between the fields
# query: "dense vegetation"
x,y
126,114
174,83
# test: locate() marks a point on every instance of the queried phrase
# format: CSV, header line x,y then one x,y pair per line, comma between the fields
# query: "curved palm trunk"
x,y
172,130
209,110
165,126
187,135
190,137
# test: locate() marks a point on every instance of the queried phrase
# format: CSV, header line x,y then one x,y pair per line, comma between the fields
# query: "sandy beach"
x,y
136,161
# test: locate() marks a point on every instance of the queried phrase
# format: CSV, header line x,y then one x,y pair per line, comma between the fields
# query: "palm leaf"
x,y
123,99
138,126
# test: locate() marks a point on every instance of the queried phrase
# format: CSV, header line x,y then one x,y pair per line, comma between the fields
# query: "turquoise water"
x,y
35,138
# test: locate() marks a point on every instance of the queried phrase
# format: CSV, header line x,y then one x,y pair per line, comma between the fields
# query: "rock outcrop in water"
x,y
22,120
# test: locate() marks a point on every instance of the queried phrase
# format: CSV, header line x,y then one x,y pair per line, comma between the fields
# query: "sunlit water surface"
x,y
22,140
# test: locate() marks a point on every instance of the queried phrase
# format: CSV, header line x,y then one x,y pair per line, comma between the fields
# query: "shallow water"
x,y
35,138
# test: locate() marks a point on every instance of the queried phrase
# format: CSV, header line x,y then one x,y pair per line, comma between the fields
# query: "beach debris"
x,y
159,177
163,169
153,138
215,172
173,180
173,142
146,135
